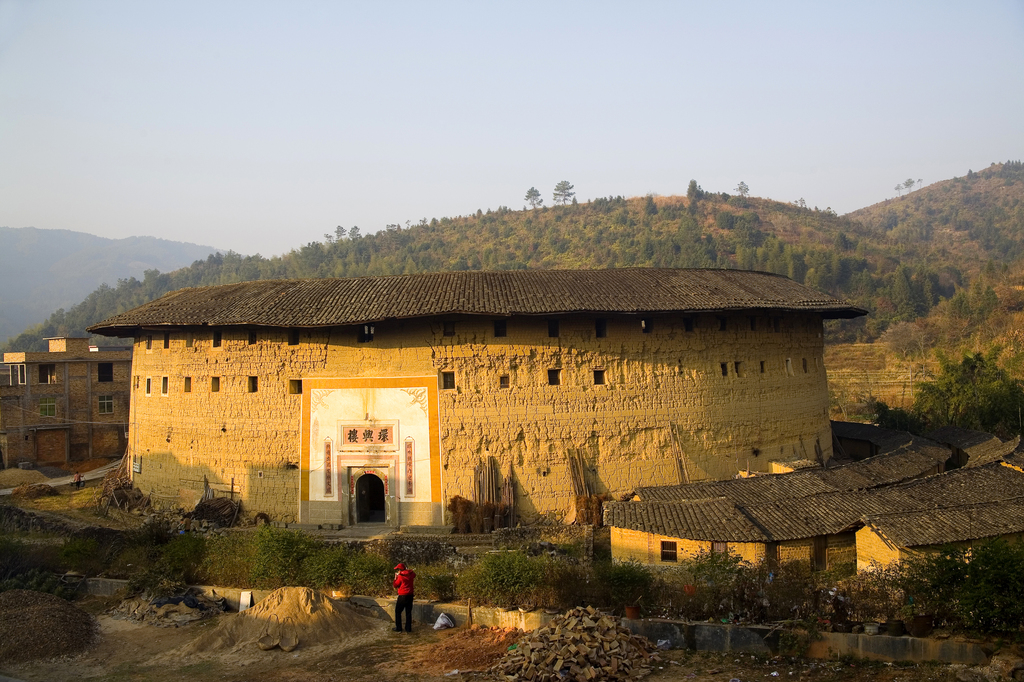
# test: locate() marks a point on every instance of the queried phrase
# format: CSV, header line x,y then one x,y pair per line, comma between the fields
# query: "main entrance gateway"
x,y
370,503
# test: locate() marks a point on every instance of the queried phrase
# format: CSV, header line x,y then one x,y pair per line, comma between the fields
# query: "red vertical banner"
x,y
410,450
328,469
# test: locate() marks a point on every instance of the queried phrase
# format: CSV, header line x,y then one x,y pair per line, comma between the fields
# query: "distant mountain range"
x,y
44,270
953,248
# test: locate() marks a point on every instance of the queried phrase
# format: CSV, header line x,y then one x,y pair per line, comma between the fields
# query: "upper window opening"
x,y
762,367
149,342
17,374
48,374
105,404
722,324
252,338
599,377
645,325
449,329
688,324
668,551
47,407
500,328
189,339
105,371
214,384
149,386
805,365
554,377
503,381
600,328
777,324
294,386
553,328
167,340
789,366
217,338
187,386
163,386
753,324
725,369
366,333
293,337
738,368
253,384
447,380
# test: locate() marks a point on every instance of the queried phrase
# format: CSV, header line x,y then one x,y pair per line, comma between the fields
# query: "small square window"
x,y
503,381
19,371
105,372
188,385
805,365
217,338
500,329
725,369
190,339
149,343
47,407
645,325
366,333
668,551
762,367
214,384
599,377
449,329
252,338
294,386
688,324
149,386
163,386
738,368
167,340
600,328
719,547
553,329
293,337
253,385
447,380
554,377
48,374
106,404
722,324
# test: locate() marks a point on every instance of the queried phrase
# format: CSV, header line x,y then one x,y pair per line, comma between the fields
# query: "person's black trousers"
x,y
404,603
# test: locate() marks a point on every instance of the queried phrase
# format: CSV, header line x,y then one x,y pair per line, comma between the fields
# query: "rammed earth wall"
x,y
734,392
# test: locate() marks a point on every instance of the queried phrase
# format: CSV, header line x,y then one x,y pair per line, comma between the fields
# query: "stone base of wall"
x,y
523,537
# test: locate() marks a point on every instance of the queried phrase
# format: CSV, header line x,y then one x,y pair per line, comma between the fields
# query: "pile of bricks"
x,y
581,645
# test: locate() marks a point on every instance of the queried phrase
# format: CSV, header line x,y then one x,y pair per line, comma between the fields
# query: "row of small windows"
x,y
48,405
252,385
739,368
367,332
48,373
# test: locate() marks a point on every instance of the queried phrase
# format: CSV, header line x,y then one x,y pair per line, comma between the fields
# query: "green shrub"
x,y
155,581
183,557
567,584
38,580
505,579
437,583
131,560
82,555
13,557
627,583
370,574
279,556
327,567
229,560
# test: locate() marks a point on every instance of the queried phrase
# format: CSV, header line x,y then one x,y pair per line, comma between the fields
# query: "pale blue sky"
x,y
259,126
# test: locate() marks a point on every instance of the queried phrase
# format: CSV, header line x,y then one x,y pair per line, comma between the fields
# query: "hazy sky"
x,y
259,126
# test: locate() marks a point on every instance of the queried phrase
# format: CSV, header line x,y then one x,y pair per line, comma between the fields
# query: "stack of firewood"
x,y
581,645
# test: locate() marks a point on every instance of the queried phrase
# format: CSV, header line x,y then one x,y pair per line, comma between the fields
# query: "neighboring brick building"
x,y
67,405
373,399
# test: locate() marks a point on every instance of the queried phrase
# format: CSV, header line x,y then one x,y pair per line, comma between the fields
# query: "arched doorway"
x,y
370,499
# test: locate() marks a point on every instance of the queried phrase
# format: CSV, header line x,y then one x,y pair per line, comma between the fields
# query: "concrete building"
x,y
66,405
374,399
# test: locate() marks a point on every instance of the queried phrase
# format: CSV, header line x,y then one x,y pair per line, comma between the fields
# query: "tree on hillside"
x,y
908,184
533,197
899,189
563,192
742,189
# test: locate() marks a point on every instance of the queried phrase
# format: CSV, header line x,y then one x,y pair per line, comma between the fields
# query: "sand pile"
x,y
11,478
39,625
475,648
30,491
318,620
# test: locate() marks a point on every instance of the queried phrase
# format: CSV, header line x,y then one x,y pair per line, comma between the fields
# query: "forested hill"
x,y
899,268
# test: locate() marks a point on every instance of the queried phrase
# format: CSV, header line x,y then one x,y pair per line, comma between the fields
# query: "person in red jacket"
x,y
404,579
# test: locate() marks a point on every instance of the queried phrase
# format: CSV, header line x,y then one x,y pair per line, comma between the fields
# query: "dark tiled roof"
x,y
885,439
915,458
952,524
334,302
710,520
975,485
981,447
825,514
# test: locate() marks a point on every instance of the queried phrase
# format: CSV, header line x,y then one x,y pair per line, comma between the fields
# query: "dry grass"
x,y
81,505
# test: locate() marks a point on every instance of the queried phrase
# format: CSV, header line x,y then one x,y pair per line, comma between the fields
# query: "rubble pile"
x,y
170,612
220,510
37,625
30,491
581,645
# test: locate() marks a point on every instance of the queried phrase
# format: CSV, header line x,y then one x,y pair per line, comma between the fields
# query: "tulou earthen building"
x,y
378,399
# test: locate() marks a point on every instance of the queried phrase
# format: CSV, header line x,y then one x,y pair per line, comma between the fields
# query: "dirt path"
x,y
133,652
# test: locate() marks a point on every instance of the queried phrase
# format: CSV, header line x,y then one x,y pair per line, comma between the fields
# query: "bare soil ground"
x,y
127,651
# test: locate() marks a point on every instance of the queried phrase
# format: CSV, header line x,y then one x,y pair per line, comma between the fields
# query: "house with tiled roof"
x,y
972,448
377,399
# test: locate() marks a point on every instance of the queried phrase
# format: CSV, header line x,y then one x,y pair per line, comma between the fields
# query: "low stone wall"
x,y
412,552
16,519
523,537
